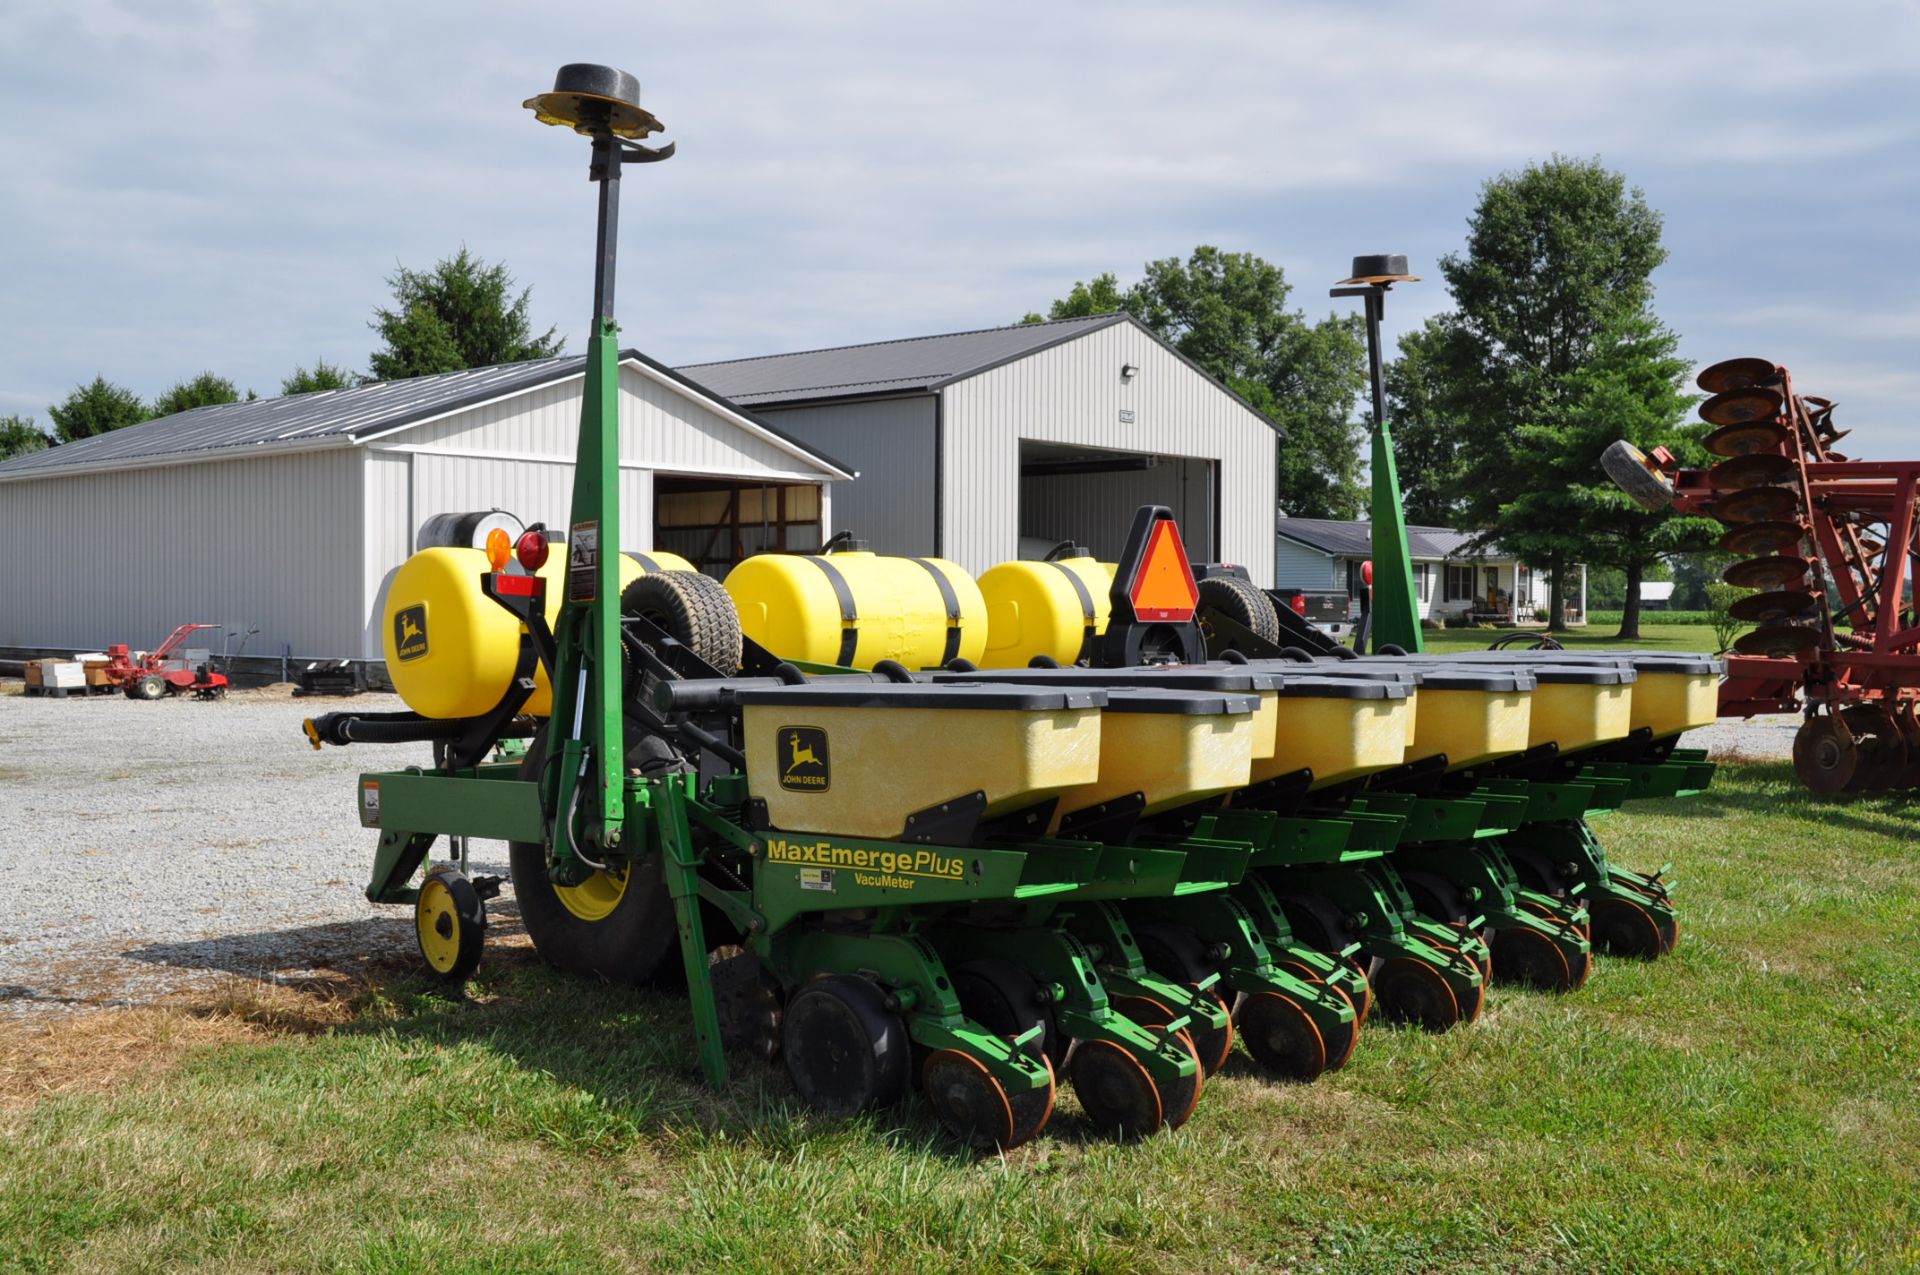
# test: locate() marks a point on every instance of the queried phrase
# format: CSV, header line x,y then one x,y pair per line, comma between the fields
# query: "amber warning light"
x,y
1163,587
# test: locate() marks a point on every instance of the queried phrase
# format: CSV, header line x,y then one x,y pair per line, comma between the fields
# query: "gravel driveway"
x,y
154,848
149,849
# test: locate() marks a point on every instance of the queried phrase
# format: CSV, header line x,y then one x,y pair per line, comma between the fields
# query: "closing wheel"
x,y
618,926
1032,1108
845,1050
1624,928
1340,1038
1527,956
1473,1000
1178,1098
1363,979
1282,1037
1412,991
450,922
1115,1089
967,1100
1177,953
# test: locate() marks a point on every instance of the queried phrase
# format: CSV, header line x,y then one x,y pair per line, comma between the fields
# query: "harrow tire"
x,y
1176,953
845,1050
1283,1039
633,943
694,609
1632,471
1115,1090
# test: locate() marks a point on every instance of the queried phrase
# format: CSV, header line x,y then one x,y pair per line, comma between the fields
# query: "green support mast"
x,y
586,731
1396,609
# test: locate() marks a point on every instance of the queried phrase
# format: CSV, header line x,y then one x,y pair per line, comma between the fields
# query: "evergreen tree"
x,y
459,314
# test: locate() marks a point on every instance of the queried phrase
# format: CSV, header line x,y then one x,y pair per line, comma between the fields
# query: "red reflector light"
x,y
1366,573
531,551
1163,587
1299,604
515,586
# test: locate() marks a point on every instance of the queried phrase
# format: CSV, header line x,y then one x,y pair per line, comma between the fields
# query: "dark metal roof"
x,y
1342,538
342,416
914,365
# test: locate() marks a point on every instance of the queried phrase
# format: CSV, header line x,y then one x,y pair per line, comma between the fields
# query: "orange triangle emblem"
x,y
1163,588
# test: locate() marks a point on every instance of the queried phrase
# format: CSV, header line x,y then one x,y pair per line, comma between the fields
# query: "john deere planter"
x,y
891,869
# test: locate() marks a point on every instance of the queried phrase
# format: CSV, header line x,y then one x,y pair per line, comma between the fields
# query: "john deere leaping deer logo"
x,y
410,633
802,754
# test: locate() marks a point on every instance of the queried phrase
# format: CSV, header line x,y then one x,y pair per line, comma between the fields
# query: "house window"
x,y
1420,578
1458,586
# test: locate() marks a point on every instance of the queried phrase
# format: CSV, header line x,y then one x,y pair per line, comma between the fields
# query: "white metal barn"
x,y
289,514
975,445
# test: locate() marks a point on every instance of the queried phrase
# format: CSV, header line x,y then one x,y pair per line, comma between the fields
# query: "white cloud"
x,y
225,185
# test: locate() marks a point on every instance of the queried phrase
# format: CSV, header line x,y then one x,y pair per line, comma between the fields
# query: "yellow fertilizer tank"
x,y
855,609
450,649
1172,747
1472,715
857,759
1054,608
1339,728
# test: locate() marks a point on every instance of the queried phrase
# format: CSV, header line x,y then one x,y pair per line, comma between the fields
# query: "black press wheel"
x,y
618,925
846,1051
1005,999
694,609
450,922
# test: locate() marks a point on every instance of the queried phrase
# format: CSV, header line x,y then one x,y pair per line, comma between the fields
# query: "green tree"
x,y
204,390
1102,296
20,435
98,407
1427,443
459,314
1227,311
321,376
1554,351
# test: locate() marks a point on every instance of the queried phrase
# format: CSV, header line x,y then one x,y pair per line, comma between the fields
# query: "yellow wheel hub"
x,y
438,923
595,898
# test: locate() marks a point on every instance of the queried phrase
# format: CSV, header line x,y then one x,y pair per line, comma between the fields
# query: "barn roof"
x,y
911,365
349,415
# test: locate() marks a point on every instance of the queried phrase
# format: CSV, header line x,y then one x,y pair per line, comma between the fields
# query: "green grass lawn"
x,y
1750,1103
1653,637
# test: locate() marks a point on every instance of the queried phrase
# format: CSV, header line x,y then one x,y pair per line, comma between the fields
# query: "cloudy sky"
x,y
225,185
